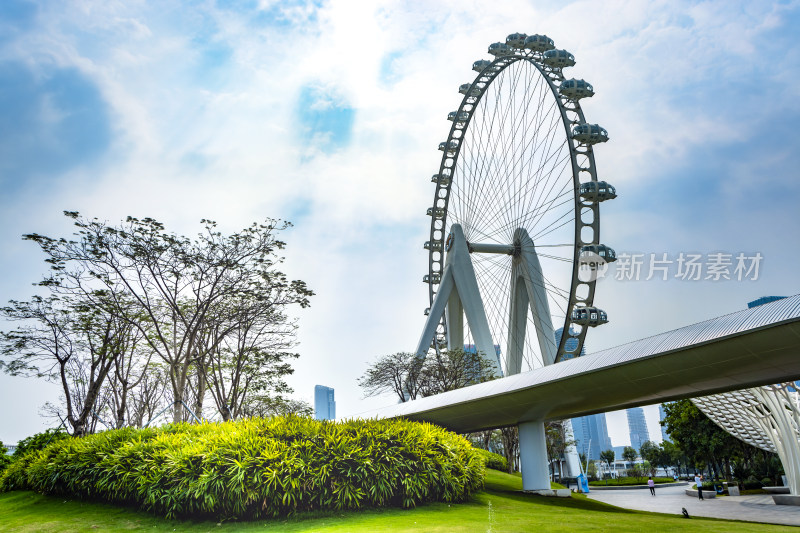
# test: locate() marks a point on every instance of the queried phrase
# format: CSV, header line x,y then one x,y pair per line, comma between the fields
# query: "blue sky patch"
x,y
388,71
326,122
49,123
283,14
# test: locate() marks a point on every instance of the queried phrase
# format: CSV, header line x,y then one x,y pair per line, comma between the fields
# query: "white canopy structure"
x,y
767,417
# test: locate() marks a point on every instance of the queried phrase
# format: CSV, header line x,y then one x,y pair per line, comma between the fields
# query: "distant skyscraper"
x,y
590,432
661,416
324,404
572,343
764,300
591,435
637,426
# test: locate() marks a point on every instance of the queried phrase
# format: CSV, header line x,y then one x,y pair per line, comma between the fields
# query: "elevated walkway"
x,y
753,347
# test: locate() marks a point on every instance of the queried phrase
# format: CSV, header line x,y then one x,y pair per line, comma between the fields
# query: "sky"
x,y
328,114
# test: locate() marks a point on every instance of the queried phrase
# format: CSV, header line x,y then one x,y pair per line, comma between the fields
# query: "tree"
x,y
591,470
510,437
398,373
410,377
5,460
170,287
650,451
453,369
629,454
608,457
68,340
703,442
266,406
557,442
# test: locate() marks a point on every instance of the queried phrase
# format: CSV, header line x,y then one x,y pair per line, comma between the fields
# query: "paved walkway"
x,y
670,500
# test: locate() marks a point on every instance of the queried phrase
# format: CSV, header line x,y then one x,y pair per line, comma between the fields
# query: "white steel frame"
x,y
766,417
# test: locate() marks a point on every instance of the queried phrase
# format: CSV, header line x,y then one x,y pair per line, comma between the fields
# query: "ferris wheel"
x,y
514,249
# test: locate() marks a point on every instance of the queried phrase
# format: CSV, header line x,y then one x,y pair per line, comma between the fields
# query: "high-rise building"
x,y
591,435
661,416
589,432
324,404
571,344
637,427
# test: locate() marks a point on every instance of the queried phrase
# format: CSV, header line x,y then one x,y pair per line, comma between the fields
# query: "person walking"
x,y
698,479
652,485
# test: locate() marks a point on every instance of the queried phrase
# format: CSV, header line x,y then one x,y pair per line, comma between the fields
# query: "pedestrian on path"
x,y
698,479
652,485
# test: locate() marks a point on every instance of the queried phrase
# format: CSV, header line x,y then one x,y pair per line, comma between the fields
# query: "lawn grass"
x,y
500,507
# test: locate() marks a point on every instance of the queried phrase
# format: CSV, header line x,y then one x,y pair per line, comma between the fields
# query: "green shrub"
x,y
493,460
623,481
5,460
752,482
39,441
257,467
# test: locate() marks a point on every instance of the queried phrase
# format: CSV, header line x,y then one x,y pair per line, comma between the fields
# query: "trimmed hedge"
x,y
493,460
257,467
624,481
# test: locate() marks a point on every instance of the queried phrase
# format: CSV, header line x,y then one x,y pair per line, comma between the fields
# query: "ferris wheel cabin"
x,y
441,179
456,116
449,146
516,40
558,58
597,191
576,89
481,64
539,43
464,88
589,134
606,252
589,316
500,49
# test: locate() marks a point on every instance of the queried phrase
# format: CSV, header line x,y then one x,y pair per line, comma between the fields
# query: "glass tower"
x,y
637,426
324,404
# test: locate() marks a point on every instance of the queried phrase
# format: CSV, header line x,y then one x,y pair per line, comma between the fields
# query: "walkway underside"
x,y
753,347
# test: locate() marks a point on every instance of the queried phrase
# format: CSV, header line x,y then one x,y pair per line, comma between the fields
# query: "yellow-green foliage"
x,y
493,460
257,467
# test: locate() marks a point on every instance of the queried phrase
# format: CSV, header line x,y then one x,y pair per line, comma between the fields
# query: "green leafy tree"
x,y
654,456
591,470
398,373
629,454
410,377
557,441
703,442
5,459
174,289
68,339
608,457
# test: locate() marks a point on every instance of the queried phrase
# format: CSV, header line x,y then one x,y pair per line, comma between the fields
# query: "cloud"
x,y
51,121
329,114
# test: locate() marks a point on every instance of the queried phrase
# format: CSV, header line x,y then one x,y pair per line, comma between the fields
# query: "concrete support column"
x,y
533,456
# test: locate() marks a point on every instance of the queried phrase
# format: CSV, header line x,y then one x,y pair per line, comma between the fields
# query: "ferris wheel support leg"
x,y
533,456
571,453
455,321
437,309
467,286
528,292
